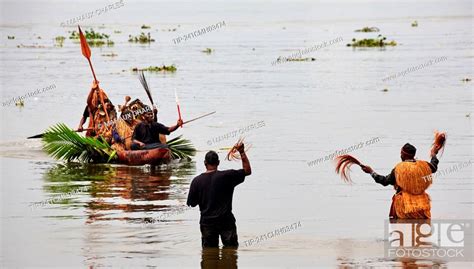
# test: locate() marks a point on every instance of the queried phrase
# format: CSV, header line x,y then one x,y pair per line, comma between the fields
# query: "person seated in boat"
x,y
123,130
146,133
93,102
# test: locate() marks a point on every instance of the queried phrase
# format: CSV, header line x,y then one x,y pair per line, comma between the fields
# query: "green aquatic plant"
x,y
20,103
109,54
142,38
379,41
181,148
93,38
164,68
414,24
59,40
11,37
308,59
62,143
207,50
368,29
145,26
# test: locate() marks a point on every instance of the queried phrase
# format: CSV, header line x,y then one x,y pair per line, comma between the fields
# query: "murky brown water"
x,y
117,216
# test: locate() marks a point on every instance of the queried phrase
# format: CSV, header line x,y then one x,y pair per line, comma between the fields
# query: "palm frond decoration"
x,y
343,166
181,148
62,143
438,143
233,154
142,79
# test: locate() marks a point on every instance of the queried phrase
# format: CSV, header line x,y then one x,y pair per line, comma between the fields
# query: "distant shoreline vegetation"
x,y
298,55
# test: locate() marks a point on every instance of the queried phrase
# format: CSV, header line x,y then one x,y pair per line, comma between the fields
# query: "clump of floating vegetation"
x,y
385,90
379,41
207,50
414,24
164,68
11,37
109,54
142,38
35,46
93,38
146,26
59,40
368,29
20,103
308,59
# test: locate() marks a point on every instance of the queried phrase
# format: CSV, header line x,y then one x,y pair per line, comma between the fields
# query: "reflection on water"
x,y
219,258
122,189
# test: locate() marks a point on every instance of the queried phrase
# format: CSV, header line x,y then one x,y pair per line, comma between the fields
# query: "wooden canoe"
x,y
146,156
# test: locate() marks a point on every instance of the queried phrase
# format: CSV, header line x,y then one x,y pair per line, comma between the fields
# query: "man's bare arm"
x,y
174,128
245,159
138,142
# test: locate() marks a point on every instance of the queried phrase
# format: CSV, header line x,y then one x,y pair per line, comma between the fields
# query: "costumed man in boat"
x,y
410,178
123,130
97,114
146,134
104,124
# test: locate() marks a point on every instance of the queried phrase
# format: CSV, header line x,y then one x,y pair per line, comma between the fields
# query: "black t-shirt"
x,y
149,133
213,193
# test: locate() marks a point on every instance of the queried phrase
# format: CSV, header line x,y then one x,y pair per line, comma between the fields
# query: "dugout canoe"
x,y
154,156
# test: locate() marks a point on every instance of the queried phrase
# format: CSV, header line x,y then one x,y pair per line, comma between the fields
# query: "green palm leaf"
x,y
62,143
181,148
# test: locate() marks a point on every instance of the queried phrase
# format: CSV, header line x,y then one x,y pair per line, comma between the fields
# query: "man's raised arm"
x,y
245,159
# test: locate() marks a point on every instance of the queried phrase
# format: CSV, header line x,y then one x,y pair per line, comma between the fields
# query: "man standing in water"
x,y
213,191
410,179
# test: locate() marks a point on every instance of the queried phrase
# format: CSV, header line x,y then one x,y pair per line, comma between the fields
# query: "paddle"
x,y
205,115
86,51
41,135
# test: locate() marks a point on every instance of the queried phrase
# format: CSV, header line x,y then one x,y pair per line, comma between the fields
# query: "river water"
x,y
119,216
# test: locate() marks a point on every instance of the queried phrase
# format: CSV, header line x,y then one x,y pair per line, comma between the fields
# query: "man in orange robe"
x,y
410,179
